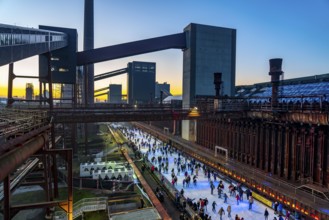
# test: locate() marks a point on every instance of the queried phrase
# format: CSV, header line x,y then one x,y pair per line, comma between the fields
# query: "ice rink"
x,y
202,189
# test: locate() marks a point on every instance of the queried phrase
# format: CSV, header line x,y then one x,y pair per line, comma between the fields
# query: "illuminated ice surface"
x,y
202,190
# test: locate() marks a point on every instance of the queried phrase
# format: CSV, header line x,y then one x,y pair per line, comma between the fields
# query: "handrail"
x,y
84,205
20,176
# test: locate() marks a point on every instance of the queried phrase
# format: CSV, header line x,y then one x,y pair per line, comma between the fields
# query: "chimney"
x,y
88,44
275,73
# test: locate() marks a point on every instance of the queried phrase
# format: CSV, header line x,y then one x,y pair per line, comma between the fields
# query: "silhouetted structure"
x,y
141,82
115,94
29,92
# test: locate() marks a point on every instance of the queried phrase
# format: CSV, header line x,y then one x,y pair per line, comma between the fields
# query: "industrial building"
x,y
294,147
211,49
115,94
29,91
162,91
141,82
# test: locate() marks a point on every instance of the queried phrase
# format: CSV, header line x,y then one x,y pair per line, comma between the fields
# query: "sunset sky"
x,y
295,30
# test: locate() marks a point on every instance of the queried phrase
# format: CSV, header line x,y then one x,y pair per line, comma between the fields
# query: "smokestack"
x,y
88,44
275,73
217,82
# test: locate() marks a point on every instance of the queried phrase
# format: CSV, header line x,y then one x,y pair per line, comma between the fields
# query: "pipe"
x,y
13,142
11,160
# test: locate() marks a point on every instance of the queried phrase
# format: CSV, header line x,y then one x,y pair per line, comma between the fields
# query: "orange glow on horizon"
x,y
17,92
20,92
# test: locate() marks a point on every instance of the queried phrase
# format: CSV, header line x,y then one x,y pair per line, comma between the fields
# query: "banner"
x,y
262,199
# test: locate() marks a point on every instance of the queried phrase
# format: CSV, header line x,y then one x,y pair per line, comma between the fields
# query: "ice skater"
x,y
225,198
266,214
238,199
221,212
214,206
229,209
251,201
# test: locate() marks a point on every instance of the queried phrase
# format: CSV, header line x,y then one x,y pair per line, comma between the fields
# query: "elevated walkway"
x,y
17,43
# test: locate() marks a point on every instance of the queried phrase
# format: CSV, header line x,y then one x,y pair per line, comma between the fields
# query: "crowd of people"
x,y
184,170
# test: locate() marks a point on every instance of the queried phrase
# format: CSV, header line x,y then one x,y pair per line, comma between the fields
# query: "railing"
x,y
15,121
285,103
20,175
84,205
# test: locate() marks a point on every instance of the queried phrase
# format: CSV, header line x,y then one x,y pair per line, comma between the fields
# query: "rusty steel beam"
x,y
6,205
11,78
69,184
32,183
112,116
15,208
11,160
17,141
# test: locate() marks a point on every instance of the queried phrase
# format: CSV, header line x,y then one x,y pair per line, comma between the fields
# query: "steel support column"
x,y
261,147
69,184
280,155
267,148
88,44
44,94
11,160
85,81
293,154
86,138
55,175
249,145
67,156
302,153
325,162
6,189
50,82
320,169
242,142
73,138
252,145
287,153
11,77
75,95
312,153
47,185
40,93
273,150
